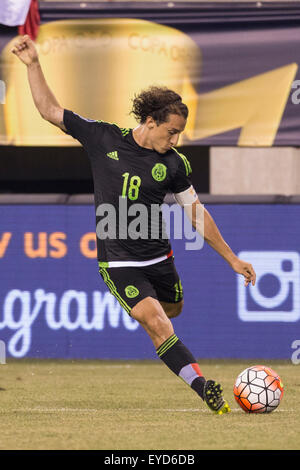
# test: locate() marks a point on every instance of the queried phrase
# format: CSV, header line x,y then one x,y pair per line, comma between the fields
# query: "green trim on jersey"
x,y
125,131
187,165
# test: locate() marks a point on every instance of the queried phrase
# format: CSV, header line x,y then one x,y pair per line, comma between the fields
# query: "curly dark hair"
x,y
157,102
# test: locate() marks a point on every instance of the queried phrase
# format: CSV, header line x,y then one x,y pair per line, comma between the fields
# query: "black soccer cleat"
x,y
214,399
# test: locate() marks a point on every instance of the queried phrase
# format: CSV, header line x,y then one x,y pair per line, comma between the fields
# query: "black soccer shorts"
x,y
130,285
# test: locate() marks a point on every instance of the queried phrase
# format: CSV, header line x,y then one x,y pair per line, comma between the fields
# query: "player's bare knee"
x,y
150,314
153,319
158,322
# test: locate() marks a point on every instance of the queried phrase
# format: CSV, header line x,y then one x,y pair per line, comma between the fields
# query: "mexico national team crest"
x,y
159,172
131,291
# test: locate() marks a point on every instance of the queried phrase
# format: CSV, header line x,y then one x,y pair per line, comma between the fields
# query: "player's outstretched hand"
x,y
246,269
25,50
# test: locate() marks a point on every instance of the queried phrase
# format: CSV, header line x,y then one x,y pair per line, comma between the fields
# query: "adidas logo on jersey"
x,y
113,155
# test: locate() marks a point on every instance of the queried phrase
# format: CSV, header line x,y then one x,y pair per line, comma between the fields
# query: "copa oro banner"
x,y
240,86
95,67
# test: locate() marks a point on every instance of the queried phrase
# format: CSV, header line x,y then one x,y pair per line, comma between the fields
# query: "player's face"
x,y
166,135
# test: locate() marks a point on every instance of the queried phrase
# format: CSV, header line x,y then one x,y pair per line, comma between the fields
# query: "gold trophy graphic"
x,y
95,67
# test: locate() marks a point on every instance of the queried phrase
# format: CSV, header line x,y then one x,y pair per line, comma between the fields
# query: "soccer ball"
x,y
258,389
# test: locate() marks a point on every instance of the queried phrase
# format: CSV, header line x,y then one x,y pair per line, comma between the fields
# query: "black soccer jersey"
x,y
130,183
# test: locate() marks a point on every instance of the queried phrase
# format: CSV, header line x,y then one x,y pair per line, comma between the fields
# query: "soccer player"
x,y
140,166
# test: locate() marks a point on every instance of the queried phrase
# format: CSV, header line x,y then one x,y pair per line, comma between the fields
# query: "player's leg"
x,y
136,295
167,284
150,314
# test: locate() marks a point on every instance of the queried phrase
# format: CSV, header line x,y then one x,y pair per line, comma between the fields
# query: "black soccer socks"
x,y
181,361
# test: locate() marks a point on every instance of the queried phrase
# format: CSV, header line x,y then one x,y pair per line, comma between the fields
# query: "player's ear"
x,y
150,122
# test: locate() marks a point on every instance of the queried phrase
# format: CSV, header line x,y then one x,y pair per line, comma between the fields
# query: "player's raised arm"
x,y
43,97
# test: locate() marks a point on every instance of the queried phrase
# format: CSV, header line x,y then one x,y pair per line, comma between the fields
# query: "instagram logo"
x,y
276,295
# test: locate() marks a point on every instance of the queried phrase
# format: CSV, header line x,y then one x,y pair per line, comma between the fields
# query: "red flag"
x,y
32,22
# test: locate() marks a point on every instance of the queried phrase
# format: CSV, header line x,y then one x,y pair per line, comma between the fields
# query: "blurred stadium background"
x,y
236,65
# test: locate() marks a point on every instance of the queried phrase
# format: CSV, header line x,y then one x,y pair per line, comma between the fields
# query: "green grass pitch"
x,y
133,405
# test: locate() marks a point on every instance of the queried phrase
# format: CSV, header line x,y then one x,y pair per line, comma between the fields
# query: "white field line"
x,y
144,410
